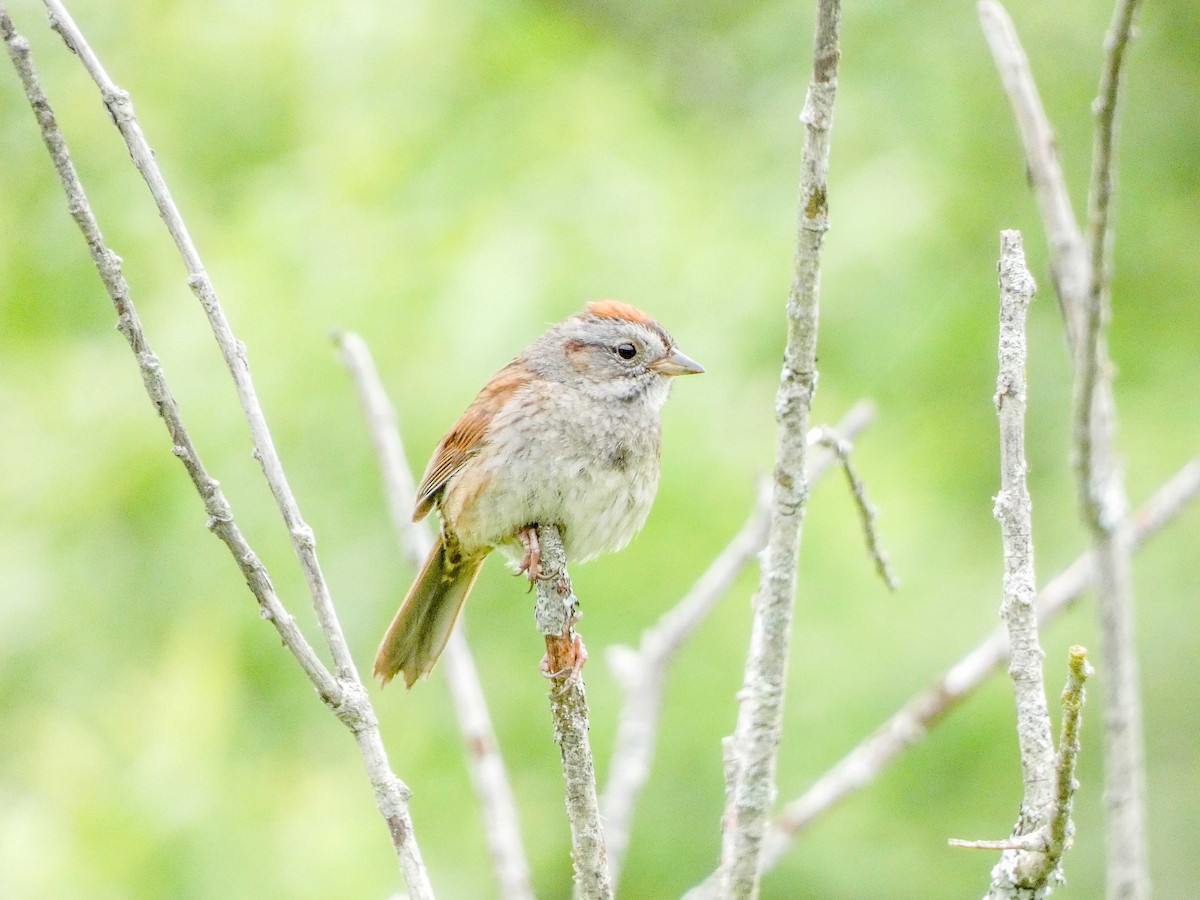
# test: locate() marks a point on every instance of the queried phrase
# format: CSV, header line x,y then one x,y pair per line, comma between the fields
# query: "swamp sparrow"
x,y
566,434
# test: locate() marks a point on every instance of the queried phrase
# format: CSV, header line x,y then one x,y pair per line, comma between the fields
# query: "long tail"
x,y
418,634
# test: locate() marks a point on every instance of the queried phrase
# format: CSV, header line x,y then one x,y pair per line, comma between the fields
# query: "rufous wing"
x,y
468,435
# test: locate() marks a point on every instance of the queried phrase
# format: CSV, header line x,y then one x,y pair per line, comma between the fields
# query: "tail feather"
x,y
422,626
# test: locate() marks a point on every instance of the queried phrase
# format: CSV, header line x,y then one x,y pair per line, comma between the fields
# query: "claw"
x,y
579,656
531,565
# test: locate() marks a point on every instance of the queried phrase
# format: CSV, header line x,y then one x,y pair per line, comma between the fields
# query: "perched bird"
x,y
567,434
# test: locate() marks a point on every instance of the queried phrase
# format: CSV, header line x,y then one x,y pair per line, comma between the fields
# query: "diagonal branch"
x,y
501,824
642,673
1068,253
343,693
120,106
841,447
910,724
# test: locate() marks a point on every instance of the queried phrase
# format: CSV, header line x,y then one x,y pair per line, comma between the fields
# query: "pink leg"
x,y
579,656
531,565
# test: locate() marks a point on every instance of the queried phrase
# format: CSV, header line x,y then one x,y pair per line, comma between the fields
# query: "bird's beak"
x,y
677,364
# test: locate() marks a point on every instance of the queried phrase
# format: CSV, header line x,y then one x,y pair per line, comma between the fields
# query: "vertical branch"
x,y
501,824
555,613
760,710
1061,828
1013,507
1082,270
1104,503
343,694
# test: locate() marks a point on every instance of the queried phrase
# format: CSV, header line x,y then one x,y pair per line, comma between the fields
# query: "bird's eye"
x,y
626,351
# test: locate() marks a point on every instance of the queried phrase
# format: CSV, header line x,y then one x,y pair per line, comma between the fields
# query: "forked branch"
x,y
341,691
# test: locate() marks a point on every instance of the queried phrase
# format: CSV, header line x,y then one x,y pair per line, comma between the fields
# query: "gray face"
x,y
610,358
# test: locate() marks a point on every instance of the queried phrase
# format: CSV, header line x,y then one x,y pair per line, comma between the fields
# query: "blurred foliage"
x,y
447,179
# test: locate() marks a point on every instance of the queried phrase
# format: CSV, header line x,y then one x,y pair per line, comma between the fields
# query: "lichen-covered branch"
x,y
760,710
1082,277
642,673
1025,866
501,824
1013,509
555,613
343,692
910,724
1029,867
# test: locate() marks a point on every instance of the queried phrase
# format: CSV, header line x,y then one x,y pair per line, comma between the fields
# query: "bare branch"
x,y
909,725
555,614
1104,504
108,265
760,708
1029,843
234,351
1078,671
343,693
1025,866
501,824
1029,867
1082,279
642,673
1068,254
1013,510
842,448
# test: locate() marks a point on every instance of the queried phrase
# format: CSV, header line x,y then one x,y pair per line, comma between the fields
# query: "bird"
x,y
567,434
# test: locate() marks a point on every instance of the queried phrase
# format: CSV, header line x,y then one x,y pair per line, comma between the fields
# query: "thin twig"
x,y
555,613
842,448
1104,504
501,824
120,106
1030,843
1068,253
910,724
760,707
642,673
1078,671
1029,867
343,692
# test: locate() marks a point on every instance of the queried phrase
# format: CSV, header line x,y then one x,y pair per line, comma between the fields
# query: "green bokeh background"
x,y
448,178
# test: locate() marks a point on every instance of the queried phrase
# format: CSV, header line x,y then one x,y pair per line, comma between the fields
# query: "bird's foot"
x,y
578,656
531,565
